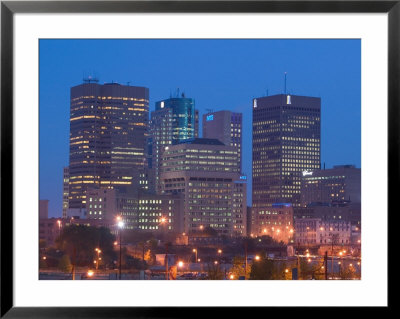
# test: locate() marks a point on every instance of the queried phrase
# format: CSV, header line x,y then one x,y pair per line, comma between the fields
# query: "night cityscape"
x,y
227,171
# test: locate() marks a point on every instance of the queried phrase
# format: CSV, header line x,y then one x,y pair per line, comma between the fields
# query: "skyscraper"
x,y
65,191
108,132
174,120
225,126
286,142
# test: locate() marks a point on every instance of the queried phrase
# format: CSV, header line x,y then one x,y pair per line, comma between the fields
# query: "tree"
x,y
215,272
79,242
267,269
65,264
238,268
311,271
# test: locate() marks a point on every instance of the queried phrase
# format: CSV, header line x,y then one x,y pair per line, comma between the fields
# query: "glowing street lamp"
x,y
98,258
195,251
257,258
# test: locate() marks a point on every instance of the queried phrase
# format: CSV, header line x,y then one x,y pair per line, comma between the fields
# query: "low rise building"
x,y
340,183
317,232
276,221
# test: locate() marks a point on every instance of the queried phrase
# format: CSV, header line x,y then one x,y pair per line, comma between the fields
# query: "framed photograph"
x,y
160,155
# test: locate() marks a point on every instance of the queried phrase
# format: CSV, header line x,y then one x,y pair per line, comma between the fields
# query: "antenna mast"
x,y
285,82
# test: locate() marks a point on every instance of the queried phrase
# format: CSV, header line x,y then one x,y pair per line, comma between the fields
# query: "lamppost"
x,y
195,251
98,258
219,255
120,226
59,227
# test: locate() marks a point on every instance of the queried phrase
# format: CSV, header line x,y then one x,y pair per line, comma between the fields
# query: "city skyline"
x,y
338,85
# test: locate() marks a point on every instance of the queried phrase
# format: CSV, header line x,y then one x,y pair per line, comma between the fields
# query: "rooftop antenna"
x,y
285,82
90,79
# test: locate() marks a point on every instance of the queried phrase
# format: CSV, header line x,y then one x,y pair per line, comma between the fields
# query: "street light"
x,y
98,258
59,227
120,225
219,252
195,251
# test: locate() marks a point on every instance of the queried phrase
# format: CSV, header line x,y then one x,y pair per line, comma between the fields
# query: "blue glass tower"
x,y
174,120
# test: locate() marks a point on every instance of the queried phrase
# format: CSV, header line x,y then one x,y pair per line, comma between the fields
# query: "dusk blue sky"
x,y
218,74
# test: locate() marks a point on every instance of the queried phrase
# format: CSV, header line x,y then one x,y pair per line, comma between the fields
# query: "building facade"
x,y
225,126
204,170
317,232
161,213
174,120
338,184
239,206
108,134
276,222
43,208
286,142
65,192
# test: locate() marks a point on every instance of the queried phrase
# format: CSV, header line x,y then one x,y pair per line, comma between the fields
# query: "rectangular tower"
x,y
174,120
225,126
65,191
286,142
108,132
204,170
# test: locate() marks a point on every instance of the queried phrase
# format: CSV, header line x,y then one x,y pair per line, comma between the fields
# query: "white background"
x,y
370,291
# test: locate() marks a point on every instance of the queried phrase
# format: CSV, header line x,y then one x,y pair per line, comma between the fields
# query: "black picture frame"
x,y
9,8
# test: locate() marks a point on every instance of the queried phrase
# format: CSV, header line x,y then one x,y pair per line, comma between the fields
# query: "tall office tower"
x,y
65,191
286,142
108,132
225,126
342,183
239,203
204,170
173,121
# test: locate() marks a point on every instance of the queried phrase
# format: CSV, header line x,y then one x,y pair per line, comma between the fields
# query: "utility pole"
x,y
120,253
166,262
245,259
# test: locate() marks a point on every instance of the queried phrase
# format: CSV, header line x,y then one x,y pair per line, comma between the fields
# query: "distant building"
x,y
316,232
225,126
350,212
101,203
340,183
174,120
249,222
286,142
65,192
43,208
49,230
276,222
161,213
108,134
240,206
204,170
